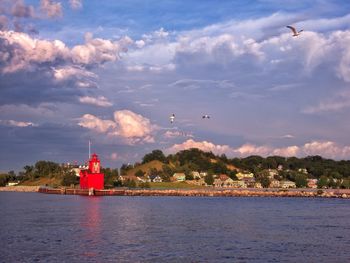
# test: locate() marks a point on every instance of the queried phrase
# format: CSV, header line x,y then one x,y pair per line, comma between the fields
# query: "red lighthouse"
x,y
92,177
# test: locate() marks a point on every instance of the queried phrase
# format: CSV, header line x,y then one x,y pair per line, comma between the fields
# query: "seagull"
x,y
295,32
206,116
172,118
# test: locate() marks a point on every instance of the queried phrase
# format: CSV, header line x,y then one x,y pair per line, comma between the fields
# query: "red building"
x,y
92,177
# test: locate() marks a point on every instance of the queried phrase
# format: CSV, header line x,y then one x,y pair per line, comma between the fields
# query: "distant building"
x,y
287,184
302,170
242,175
156,179
203,174
312,183
272,173
196,175
274,184
257,185
179,177
250,182
218,183
12,183
238,184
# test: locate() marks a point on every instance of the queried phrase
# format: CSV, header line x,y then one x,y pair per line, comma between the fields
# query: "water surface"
x,y
57,228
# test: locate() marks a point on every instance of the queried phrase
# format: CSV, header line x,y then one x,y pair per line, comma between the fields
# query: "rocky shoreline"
x,y
270,192
241,193
20,188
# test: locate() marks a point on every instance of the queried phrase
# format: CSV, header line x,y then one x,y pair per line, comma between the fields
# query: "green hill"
x,y
146,167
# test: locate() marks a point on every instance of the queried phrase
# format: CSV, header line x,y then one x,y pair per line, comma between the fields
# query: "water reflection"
x,y
90,223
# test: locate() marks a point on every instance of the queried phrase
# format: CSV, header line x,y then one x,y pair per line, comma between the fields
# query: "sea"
x,y
37,227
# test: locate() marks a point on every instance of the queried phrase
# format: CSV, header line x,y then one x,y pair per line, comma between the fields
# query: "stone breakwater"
x,y
20,188
325,193
239,193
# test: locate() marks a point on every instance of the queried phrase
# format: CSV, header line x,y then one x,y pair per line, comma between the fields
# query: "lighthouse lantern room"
x,y
92,177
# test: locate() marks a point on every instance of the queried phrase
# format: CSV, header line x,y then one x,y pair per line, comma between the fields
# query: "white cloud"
x,y
337,103
327,149
20,9
99,101
114,156
204,146
51,8
75,4
96,124
173,134
26,52
132,127
20,124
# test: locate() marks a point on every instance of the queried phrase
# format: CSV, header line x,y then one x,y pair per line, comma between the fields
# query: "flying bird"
x,y
206,116
295,32
172,118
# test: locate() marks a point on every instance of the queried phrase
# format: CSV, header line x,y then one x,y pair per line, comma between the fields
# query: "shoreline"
x,y
223,192
20,188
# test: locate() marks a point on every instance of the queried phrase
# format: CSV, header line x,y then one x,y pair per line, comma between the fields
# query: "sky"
x,y
113,72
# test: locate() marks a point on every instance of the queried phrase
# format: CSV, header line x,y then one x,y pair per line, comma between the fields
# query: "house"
x,y
203,174
179,177
223,177
250,182
228,182
280,167
274,184
272,173
238,184
144,179
287,184
124,178
257,185
302,170
195,175
200,182
156,178
12,183
312,183
218,182
242,175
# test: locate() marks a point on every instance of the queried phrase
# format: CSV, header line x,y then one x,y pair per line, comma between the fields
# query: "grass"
x,y
42,181
145,167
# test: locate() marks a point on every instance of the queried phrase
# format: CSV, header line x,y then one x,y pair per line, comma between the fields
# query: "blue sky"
x,y
114,71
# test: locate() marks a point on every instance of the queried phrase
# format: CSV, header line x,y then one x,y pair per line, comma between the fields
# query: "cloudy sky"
x,y
114,71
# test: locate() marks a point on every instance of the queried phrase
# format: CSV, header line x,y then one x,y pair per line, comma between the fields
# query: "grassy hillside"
x,y
145,167
42,181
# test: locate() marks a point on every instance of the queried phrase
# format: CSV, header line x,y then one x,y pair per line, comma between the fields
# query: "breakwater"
x,y
20,188
327,193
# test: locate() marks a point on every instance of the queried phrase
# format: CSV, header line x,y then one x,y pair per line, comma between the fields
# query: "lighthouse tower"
x,y
92,177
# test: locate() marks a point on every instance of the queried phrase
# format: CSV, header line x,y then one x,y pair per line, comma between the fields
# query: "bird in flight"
x,y
206,116
295,32
172,118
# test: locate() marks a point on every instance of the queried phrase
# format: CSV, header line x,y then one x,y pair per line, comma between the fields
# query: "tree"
x,y
209,179
111,176
124,168
154,155
322,182
232,175
69,179
3,179
265,181
301,180
130,183
140,173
